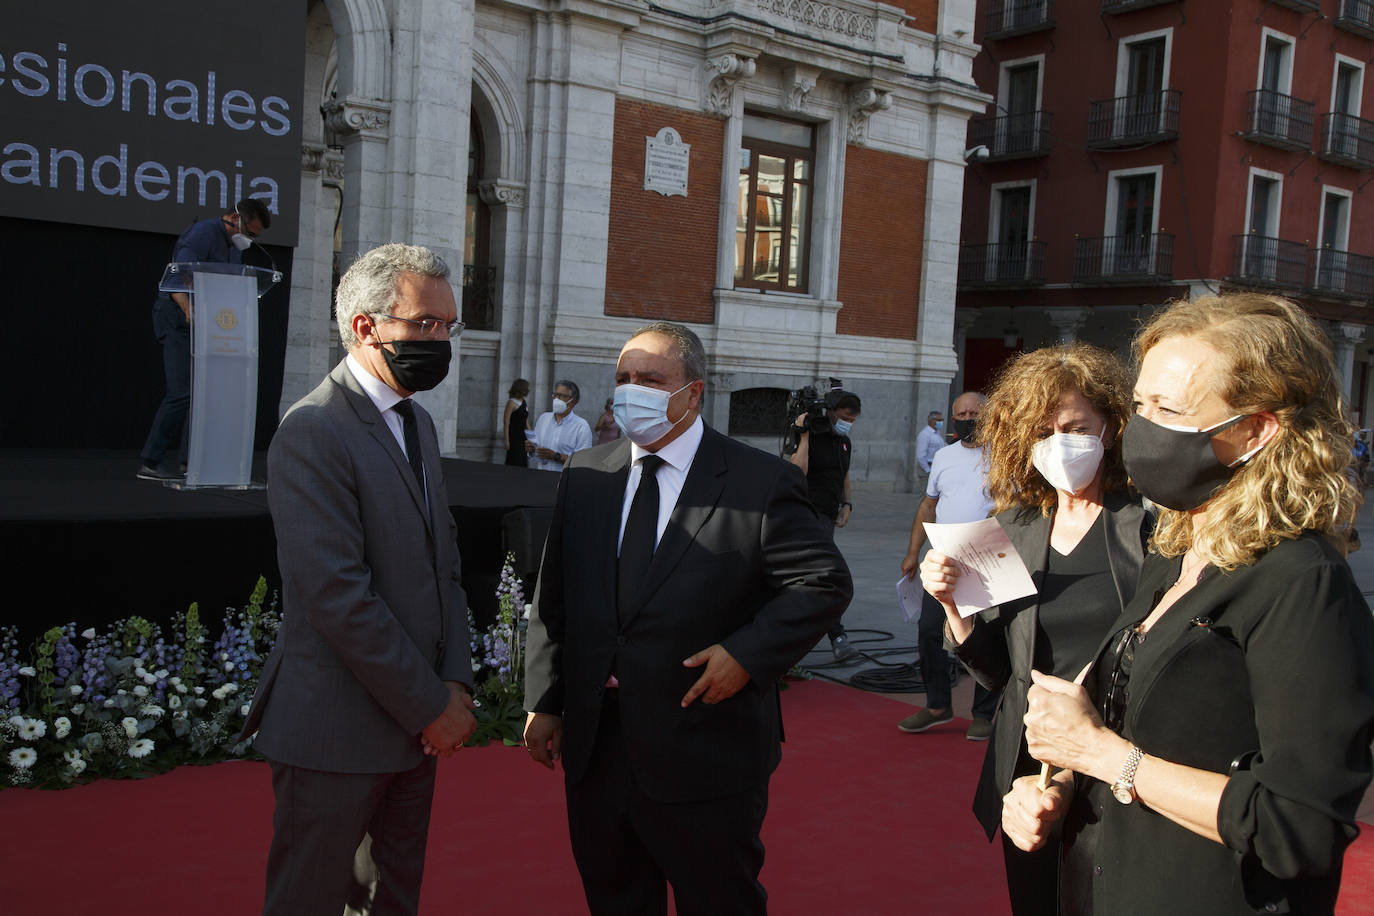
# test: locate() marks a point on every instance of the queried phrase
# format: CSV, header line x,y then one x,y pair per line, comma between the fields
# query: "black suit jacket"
x,y
743,562
1001,649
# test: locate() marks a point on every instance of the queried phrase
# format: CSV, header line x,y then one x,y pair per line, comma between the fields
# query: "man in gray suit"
x,y
368,679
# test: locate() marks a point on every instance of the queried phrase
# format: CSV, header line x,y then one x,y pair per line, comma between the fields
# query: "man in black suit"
x,y
684,573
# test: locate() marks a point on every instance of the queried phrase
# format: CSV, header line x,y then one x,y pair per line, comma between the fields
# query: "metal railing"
x,y
1356,16
1266,261
1279,120
1347,140
1343,274
479,297
1005,18
1017,136
1126,6
1132,120
1004,264
1136,258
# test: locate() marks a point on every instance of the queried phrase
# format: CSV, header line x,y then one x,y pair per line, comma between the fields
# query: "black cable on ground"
x,y
888,677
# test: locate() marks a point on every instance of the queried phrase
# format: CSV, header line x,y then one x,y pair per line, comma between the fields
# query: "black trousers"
x,y
630,847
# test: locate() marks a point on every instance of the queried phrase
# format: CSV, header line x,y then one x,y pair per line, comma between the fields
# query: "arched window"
x,y
479,276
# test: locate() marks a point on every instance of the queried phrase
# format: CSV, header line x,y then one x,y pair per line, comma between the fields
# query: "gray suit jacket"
x,y
375,615
1000,650
744,562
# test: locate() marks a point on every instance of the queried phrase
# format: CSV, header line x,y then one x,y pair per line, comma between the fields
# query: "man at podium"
x,y
221,239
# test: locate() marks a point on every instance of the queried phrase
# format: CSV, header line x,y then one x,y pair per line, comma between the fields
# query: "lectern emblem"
x,y
226,319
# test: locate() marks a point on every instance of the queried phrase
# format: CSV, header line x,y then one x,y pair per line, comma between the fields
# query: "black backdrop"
x,y
78,307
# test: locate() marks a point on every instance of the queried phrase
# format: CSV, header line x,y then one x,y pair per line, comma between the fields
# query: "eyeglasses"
x,y
430,327
1113,707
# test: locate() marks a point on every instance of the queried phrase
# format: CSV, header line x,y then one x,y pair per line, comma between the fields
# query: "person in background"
x,y
1216,754
220,239
559,432
606,429
957,492
824,459
515,421
930,440
1052,430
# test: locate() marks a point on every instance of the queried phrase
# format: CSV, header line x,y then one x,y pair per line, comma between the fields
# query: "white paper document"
x,y
909,595
991,572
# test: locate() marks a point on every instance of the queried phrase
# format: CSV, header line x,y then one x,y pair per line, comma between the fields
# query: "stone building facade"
x,y
784,175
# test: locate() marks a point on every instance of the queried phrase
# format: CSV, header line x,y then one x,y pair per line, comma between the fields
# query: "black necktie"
x,y
641,532
411,431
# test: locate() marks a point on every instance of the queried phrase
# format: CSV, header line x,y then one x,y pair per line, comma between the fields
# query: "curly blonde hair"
x,y
1273,358
1024,398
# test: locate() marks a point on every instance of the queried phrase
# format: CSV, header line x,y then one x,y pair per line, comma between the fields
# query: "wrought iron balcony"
x,y
1129,259
1347,140
1005,265
479,297
1342,274
1127,6
1356,16
1134,120
1259,260
1275,119
1018,136
1006,18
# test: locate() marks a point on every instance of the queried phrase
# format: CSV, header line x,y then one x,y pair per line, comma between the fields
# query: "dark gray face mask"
x,y
1176,468
965,429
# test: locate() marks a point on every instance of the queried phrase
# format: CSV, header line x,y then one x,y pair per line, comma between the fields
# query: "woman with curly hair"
x,y
1052,428
1214,760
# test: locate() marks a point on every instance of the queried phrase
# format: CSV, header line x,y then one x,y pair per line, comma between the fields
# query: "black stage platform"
x,y
83,539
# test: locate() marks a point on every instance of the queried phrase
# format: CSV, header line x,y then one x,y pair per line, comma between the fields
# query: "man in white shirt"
x,y
956,492
559,432
930,441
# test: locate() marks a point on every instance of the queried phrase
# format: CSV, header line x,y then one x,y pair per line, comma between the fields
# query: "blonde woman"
x,y
1052,429
1222,743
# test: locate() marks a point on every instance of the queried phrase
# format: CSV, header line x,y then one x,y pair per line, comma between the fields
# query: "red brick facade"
x,y
925,14
880,243
661,258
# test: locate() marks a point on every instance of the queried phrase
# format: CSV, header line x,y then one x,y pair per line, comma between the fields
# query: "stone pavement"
x,y
874,542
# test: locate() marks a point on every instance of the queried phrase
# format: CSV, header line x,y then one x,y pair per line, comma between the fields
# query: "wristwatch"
x,y
1123,790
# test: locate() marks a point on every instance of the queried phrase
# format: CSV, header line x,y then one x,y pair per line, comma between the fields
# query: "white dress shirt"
x,y
385,399
572,435
677,456
928,442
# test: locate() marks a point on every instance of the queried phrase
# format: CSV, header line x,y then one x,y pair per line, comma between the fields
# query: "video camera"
x,y
809,400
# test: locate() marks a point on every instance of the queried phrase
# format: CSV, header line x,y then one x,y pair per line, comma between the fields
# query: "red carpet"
x,y
863,820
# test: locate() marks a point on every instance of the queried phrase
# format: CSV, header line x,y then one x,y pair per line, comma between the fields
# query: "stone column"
x,y
1345,336
964,320
1068,322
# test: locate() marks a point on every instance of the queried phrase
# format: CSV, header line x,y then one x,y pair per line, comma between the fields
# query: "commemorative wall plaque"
x,y
665,163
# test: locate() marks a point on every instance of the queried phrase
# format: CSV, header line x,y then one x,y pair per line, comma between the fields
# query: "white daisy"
x,y
175,682
17,721
150,679
139,671
77,766
21,758
63,726
230,687
130,726
199,690
69,756
174,701
152,709
75,690
141,748
140,691
33,729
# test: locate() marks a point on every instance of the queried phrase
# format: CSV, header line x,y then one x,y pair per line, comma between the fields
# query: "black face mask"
x,y
1174,469
965,429
418,365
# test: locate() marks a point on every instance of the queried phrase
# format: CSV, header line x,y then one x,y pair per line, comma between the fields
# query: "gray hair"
x,y
691,355
571,386
933,415
369,286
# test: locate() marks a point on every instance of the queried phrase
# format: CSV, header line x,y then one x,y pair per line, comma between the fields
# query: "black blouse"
x,y
1266,673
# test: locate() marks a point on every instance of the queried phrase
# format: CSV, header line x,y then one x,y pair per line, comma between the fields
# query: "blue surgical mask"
x,y
939,426
643,412
842,427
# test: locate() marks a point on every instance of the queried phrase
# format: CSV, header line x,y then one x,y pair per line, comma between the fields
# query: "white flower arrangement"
x,y
131,698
